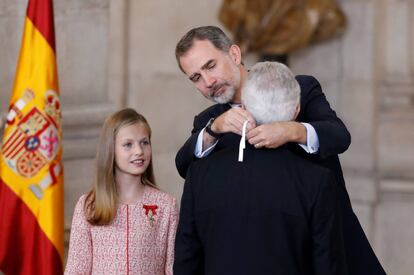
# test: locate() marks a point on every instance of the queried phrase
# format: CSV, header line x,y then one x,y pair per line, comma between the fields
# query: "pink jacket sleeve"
x,y
173,221
80,244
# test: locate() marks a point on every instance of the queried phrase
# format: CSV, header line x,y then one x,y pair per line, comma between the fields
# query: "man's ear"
x,y
297,110
235,54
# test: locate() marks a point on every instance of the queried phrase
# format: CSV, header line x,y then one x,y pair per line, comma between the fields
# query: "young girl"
x,y
124,225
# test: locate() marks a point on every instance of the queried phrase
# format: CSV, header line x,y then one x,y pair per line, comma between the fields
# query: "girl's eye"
x,y
127,145
145,142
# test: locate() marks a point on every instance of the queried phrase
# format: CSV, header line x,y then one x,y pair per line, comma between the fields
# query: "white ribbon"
x,y
242,144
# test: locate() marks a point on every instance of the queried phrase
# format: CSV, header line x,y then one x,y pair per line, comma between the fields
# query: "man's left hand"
x,y
277,134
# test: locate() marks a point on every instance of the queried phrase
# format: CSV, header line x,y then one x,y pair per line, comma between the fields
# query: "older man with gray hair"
x,y
270,213
271,93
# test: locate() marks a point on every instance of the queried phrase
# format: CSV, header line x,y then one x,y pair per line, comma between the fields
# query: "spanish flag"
x,y
31,172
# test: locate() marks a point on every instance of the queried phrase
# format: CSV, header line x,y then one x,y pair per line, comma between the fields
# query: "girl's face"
x,y
132,150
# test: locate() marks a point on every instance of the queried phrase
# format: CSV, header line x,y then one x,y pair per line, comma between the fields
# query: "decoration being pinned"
x,y
242,144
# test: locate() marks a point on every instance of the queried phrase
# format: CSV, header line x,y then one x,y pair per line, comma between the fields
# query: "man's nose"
x,y
209,81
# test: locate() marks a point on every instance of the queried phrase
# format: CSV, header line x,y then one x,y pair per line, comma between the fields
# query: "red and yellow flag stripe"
x,y
31,172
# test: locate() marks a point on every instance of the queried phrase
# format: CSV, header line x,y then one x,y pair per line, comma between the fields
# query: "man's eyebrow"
x,y
205,66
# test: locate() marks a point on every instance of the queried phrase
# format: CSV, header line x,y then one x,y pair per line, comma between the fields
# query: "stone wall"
x,y
113,54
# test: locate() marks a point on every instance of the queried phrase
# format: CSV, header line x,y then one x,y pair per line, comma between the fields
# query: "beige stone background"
x,y
116,53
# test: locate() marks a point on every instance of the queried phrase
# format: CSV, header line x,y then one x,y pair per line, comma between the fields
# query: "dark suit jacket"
x,y
333,136
273,213
334,139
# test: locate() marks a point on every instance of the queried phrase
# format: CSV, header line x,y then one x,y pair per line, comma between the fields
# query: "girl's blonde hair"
x,y
101,201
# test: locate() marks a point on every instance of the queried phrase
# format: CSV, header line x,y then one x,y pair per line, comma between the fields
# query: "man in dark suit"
x,y
271,213
213,63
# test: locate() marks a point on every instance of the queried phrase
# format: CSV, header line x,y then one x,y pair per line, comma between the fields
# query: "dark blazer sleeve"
x,y
333,136
328,253
185,156
188,256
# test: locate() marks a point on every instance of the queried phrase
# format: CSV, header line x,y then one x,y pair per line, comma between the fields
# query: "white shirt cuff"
x,y
312,140
199,153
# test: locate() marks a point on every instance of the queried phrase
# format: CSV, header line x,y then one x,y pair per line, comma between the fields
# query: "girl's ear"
x,y
235,54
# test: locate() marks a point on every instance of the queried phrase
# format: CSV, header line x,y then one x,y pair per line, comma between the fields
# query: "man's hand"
x,y
229,121
232,121
277,134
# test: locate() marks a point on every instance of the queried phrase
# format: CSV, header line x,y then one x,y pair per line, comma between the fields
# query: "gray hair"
x,y
211,33
271,93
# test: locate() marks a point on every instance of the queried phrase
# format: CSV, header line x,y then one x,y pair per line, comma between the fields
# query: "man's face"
x,y
215,74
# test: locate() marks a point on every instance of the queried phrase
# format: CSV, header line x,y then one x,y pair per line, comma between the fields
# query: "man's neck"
x,y
238,94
